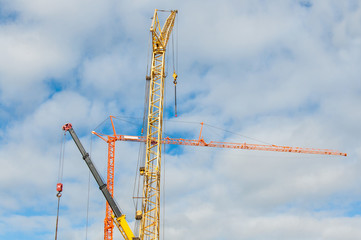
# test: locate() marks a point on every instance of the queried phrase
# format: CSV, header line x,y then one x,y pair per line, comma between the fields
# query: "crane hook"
x,y
175,76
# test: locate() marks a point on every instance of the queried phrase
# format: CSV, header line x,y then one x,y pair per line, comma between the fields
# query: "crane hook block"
x,y
59,187
175,76
142,171
138,215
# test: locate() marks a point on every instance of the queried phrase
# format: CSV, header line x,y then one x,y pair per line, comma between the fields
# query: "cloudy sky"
x,y
282,72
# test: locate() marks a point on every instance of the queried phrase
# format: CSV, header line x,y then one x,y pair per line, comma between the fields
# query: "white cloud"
x,y
281,72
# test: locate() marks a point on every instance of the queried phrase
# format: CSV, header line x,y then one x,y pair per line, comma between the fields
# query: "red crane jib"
x,y
248,146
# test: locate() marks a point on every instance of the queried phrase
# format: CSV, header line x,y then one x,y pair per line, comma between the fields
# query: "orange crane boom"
x,y
201,143
247,146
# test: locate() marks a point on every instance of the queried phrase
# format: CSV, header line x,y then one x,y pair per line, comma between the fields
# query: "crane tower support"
x,y
152,169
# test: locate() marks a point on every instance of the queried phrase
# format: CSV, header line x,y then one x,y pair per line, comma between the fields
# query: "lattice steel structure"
x,y
149,227
152,169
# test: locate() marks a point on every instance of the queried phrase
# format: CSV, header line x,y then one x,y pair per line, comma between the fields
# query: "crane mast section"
x,y
151,182
108,220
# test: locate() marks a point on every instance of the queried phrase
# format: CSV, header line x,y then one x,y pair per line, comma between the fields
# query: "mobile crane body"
x,y
118,217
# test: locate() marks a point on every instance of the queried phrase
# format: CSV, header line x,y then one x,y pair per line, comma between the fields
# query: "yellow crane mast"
x,y
149,228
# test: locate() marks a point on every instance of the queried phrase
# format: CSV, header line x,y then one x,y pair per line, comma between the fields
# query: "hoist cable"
x,y
87,209
148,53
57,217
141,152
60,178
174,76
137,199
137,181
175,100
177,41
61,158
88,202
163,166
146,101
163,207
173,55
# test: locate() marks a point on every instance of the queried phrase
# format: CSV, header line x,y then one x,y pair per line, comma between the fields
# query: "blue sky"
x,y
283,72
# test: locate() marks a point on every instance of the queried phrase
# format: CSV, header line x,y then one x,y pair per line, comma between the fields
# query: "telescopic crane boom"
x,y
118,217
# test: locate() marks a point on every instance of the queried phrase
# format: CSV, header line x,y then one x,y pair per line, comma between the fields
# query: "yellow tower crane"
x,y
149,228
148,218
